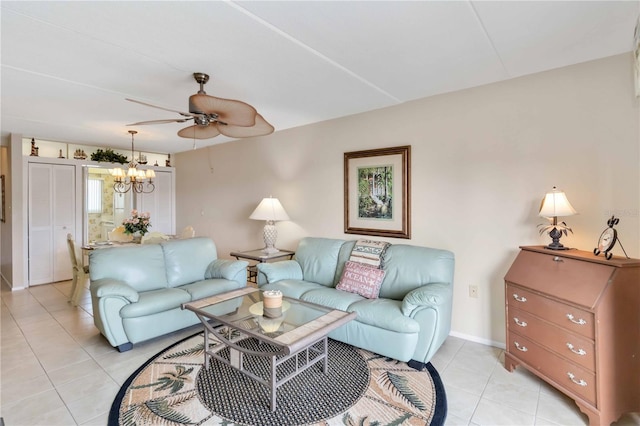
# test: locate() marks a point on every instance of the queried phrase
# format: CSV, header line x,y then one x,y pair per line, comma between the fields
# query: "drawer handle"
x,y
520,348
520,323
579,322
577,382
558,259
577,352
518,298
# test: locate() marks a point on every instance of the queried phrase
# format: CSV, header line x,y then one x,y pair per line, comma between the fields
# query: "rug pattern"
x,y
169,391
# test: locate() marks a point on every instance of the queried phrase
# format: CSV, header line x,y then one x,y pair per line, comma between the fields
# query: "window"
x,y
94,195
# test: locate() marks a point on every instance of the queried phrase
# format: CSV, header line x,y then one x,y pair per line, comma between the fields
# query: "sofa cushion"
x,y
409,267
361,279
140,266
155,301
187,260
228,269
318,258
286,269
385,314
206,288
331,298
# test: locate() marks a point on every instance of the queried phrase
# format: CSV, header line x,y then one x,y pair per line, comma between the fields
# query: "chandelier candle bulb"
x,y
272,303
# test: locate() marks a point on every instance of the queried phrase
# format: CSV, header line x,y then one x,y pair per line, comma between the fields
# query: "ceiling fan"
x,y
214,116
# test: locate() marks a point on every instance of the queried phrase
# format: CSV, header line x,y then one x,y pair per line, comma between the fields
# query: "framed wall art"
x,y
377,192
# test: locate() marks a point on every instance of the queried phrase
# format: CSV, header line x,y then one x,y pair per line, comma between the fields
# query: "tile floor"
x,y
58,370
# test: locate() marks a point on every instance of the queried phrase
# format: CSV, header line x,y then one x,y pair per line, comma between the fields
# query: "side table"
x,y
259,256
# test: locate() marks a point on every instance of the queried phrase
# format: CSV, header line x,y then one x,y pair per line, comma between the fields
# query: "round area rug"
x,y
174,388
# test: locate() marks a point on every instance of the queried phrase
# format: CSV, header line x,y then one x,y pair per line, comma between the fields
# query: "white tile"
x,y
94,404
461,403
561,409
30,411
471,381
16,390
512,395
491,413
96,382
73,372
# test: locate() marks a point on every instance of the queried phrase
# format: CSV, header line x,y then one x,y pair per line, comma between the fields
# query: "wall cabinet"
x,y
51,210
572,319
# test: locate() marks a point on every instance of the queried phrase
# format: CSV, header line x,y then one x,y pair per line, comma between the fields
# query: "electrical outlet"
x,y
473,291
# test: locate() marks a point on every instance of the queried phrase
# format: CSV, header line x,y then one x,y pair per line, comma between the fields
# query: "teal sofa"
x,y
412,316
137,291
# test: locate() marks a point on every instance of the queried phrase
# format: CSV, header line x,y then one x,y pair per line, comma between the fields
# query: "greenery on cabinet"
x,y
109,156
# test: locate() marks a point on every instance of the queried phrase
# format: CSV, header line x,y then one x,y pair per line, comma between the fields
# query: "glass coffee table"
x,y
299,334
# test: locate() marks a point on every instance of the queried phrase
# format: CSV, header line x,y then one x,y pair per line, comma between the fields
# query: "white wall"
x,y
482,159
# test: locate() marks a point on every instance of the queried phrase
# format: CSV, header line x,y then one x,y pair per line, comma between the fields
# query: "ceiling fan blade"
x,y
199,132
171,120
261,128
230,111
186,114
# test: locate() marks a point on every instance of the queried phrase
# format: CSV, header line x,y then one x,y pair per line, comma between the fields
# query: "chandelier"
x,y
133,178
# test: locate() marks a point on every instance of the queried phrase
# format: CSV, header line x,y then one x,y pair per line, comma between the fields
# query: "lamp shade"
x,y
269,209
555,204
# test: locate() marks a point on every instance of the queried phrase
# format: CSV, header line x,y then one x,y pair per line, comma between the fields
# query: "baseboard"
x,y
5,281
477,339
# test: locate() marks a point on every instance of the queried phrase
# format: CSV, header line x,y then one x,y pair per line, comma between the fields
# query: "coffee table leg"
x,y
273,383
325,363
206,347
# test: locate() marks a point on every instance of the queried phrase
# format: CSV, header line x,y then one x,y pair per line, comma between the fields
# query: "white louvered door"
x,y
51,218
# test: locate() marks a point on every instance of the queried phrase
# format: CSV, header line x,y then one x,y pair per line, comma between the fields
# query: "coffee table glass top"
x,y
242,310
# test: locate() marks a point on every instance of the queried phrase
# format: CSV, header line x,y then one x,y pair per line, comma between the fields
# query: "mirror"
x,y
104,209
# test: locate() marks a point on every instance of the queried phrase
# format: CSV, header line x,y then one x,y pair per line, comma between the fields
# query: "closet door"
x,y
51,218
64,220
160,203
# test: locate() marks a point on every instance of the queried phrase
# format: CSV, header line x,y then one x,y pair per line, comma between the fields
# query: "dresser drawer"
x,y
567,375
561,277
566,316
575,348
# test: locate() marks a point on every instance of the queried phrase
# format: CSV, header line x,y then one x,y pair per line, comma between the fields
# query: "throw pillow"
x,y
361,279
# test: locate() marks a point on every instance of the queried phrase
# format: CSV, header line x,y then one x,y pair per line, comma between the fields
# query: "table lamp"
x,y
270,210
554,204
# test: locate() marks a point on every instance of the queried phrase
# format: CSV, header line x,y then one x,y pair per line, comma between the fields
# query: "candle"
x,y
272,303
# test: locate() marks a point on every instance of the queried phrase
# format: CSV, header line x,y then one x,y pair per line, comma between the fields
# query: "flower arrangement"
x,y
138,222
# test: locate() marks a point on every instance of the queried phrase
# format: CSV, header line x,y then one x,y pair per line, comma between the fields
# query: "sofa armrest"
x,y
108,287
433,295
276,271
233,270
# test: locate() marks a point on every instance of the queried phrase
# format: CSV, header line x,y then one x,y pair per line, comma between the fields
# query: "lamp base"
x,y
270,234
561,247
555,235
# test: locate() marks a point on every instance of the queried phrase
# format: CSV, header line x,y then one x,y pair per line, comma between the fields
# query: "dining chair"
x,y
154,238
80,271
118,235
187,232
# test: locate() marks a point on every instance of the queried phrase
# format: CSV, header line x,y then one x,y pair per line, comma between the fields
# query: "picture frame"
x,y
3,217
377,192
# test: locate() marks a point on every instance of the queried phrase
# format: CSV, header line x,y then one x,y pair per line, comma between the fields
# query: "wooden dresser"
x,y
573,319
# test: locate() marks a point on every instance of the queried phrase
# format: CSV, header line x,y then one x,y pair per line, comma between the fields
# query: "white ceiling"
x,y
67,67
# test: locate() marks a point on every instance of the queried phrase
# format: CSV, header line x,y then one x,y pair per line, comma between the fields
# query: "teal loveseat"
x,y
409,320
137,291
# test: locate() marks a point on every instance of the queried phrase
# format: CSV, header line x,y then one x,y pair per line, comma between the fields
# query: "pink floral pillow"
x,y
361,279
